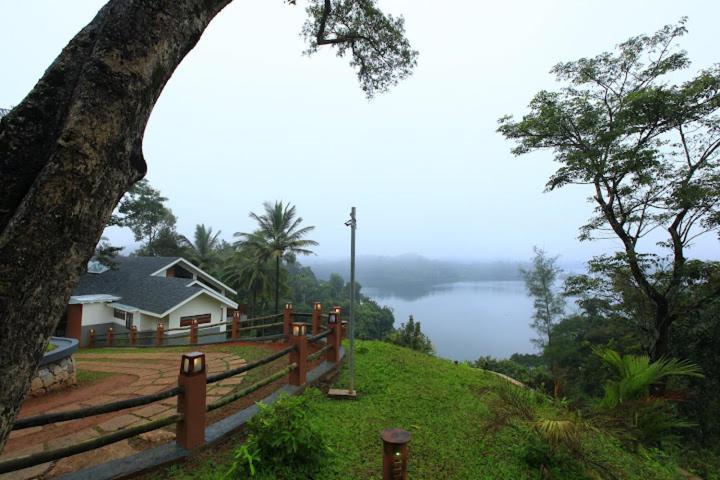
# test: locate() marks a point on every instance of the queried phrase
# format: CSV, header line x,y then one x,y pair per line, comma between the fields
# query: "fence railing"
x,y
191,397
267,327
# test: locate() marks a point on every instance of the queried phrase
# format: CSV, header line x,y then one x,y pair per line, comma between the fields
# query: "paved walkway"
x,y
136,374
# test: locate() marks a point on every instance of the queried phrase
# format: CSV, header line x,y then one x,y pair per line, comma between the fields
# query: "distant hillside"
x,y
410,269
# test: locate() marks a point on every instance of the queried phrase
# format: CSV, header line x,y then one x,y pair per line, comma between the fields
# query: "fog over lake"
x,y
465,320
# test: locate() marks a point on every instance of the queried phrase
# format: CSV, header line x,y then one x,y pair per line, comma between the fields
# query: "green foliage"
x,y
540,284
450,411
376,42
278,238
648,147
282,442
143,210
166,243
410,335
105,253
628,403
372,320
536,376
203,251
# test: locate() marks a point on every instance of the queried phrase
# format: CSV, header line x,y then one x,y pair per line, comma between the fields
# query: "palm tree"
x,y
279,237
246,270
204,249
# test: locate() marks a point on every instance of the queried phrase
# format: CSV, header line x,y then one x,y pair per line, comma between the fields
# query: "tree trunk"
x,y
660,348
277,285
67,154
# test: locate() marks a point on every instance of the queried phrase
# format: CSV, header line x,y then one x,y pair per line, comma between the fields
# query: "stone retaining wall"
x,y
53,376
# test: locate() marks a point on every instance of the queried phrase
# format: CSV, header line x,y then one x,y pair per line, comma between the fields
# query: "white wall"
x,y
147,322
96,314
198,306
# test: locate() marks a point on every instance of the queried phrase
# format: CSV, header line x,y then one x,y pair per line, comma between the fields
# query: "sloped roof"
x,y
133,283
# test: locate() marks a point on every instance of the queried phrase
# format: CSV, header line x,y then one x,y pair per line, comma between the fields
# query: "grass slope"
x,y
456,420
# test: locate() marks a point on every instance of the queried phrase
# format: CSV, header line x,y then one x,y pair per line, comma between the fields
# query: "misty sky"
x,y
247,118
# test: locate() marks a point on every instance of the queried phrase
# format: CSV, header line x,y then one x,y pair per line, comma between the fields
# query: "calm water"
x,y
467,320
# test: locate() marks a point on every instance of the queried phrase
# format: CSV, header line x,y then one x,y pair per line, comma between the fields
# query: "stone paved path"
x,y
136,374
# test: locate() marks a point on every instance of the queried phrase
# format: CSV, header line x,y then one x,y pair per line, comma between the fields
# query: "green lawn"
x,y
458,420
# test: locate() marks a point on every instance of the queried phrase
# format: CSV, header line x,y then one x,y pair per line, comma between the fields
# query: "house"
x,y
145,292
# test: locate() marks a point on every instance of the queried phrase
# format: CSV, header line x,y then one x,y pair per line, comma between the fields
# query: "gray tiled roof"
x,y
132,281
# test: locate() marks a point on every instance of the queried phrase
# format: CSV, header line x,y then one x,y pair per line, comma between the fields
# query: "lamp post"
x,y
333,354
235,325
299,355
192,401
287,319
350,392
316,312
352,223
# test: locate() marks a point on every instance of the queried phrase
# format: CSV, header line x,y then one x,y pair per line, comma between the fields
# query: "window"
x,y
126,317
187,321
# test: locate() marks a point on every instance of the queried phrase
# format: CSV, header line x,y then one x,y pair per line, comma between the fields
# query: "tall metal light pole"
x,y
352,223
350,392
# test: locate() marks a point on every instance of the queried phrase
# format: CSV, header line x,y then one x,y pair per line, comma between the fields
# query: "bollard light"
x,y
334,315
194,322
298,329
288,306
92,331
161,326
236,314
110,329
318,306
192,363
395,453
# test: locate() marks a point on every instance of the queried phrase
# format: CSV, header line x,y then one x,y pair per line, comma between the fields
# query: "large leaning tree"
x,y
650,151
73,147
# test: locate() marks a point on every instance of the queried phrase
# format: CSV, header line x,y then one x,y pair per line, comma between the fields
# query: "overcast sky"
x,y
247,118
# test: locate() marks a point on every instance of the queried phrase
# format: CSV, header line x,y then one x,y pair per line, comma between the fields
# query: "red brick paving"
x,y
138,374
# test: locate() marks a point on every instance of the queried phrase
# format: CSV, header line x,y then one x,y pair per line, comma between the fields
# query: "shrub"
x,y
410,336
282,442
536,377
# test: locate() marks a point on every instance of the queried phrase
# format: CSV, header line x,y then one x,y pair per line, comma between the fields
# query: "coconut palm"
x,y
249,273
279,237
203,251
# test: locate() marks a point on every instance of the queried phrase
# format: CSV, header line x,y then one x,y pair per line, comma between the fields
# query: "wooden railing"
x,y
268,327
191,395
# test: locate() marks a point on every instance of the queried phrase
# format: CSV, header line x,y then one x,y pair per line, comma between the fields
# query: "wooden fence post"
x,y
316,312
395,454
299,355
109,336
194,332
159,333
235,325
287,319
333,353
133,335
343,329
91,337
190,432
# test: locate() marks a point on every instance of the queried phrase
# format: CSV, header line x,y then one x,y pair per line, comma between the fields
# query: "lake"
x,y
468,319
